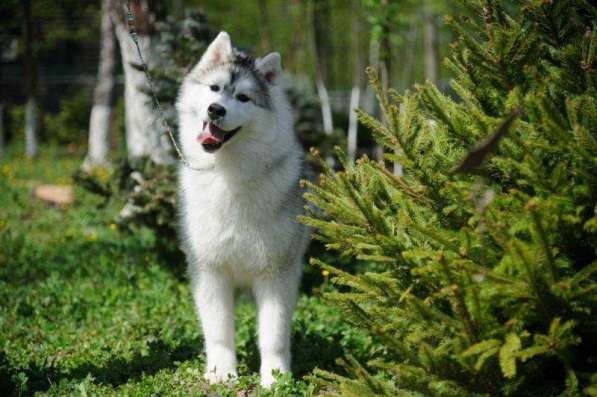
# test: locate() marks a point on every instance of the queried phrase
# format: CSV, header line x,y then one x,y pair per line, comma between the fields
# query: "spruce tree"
x,y
480,261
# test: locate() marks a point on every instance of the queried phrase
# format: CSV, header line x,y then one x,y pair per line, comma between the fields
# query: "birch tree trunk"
x,y
321,23
144,134
430,44
31,127
369,103
326,107
355,93
101,113
31,83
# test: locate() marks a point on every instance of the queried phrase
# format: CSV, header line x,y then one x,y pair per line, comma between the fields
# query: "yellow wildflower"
x,y
101,173
325,273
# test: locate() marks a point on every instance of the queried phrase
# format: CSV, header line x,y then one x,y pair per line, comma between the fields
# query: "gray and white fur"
x,y
239,208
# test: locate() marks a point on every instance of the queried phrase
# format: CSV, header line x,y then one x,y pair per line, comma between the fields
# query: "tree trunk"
x,y
385,67
386,74
31,126
321,23
31,83
369,103
2,143
357,73
179,9
144,133
264,27
2,100
408,59
430,44
326,107
386,56
101,112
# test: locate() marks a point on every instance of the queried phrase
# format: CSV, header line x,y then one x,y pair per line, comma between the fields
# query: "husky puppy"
x,y
239,202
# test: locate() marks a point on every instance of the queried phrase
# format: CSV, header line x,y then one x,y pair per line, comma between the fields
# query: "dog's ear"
x,y
270,66
220,50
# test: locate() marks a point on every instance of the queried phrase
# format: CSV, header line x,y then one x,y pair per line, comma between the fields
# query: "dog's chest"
x,y
235,224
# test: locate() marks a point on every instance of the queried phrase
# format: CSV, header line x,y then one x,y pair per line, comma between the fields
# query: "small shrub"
x,y
71,123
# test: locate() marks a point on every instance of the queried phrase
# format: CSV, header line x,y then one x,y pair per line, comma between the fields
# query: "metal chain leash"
x,y
133,33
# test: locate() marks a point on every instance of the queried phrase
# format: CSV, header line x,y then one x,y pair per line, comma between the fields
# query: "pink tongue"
x,y
206,136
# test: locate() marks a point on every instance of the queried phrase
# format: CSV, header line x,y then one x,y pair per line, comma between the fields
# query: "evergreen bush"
x,y
69,125
480,259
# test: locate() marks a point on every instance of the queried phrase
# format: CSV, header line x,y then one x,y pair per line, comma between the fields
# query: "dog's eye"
x,y
214,87
243,98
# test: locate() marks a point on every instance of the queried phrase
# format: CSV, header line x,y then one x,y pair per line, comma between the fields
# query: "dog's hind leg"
x,y
213,294
275,295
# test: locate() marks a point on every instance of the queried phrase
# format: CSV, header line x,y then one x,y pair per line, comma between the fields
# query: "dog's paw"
x,y
271,376
220,376
267,380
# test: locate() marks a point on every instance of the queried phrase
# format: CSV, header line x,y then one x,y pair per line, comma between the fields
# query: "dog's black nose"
x,y
216,111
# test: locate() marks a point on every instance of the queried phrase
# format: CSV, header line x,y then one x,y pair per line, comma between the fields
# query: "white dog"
x,y
239,202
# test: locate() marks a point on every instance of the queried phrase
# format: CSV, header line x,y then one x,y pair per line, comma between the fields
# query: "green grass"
x,y
88,309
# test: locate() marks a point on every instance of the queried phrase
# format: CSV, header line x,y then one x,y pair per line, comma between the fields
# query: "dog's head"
x,y
228,94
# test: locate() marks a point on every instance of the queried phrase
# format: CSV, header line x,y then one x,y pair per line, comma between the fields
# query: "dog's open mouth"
x,y
213,137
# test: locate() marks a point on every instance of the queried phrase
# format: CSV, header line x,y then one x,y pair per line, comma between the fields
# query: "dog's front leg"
x,y
213,294
275,295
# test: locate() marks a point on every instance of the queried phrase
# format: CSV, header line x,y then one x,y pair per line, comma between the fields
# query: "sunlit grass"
x,y
88,309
